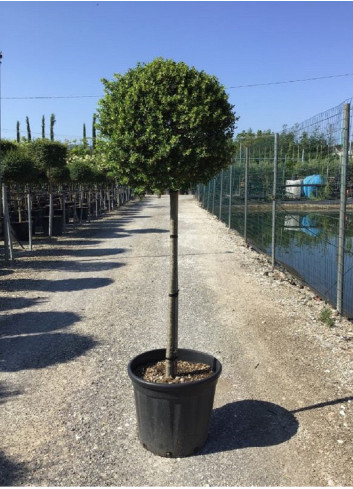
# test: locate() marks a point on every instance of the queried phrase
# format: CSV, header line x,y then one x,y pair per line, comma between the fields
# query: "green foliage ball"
x,y
166,125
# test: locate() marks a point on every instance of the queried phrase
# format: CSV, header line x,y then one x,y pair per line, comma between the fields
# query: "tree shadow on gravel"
x,y
5,272
41,350
68,285
27,341
8,303
10,472
32,322
249,423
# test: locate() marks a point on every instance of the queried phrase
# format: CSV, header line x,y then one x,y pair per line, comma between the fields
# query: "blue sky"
x,y
63,49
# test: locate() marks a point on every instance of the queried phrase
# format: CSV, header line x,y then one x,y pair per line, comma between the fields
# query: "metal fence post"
x,y
203,196
274,195
7,226
230,195
50,225
246,194
214,194
343,202
30,223
208,195
64,211
221,197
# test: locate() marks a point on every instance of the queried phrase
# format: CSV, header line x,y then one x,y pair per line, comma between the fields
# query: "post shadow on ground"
x,y
10,472
130,217
148,231
70,265
252,423
103,232
71,241
82,252
6,393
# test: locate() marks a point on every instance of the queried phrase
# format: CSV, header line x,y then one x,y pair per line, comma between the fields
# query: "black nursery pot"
x,y
173,419
21,230
57,229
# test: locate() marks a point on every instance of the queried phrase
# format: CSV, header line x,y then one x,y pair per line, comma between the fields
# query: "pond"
x,y
307,244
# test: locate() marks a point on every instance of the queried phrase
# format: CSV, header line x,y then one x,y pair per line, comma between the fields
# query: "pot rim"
x,y
160,355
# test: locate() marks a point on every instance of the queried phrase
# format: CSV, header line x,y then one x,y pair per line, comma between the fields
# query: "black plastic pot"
x,y
173,419
37,215
21,230
57,229
84,213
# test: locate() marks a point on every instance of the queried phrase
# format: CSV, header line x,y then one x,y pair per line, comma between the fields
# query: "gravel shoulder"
x,y
74,312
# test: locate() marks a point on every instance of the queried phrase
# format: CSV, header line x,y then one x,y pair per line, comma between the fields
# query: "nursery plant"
x,y
50,158
18,167
167,127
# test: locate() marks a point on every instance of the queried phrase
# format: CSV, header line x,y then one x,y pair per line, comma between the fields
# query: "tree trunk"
x,y
172,332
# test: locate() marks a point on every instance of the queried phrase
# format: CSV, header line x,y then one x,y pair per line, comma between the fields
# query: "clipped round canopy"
x,y
166,125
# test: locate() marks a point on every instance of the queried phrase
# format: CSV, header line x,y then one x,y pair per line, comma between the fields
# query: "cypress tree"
x,y
84,136
52,122
29,135
94,135
18,136
43,127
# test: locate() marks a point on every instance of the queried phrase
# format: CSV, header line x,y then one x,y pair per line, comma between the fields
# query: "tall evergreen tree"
x,y
43,127
84,136
18,136
94,135
52,122
29,134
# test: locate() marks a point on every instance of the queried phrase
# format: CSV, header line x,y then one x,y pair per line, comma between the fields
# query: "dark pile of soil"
x,y
186,372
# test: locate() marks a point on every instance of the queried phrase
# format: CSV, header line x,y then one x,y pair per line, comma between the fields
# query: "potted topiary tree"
x,y
18,168
81,173
50,158
169,127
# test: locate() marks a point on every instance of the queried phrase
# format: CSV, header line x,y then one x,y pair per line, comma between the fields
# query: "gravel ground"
x,y
74,312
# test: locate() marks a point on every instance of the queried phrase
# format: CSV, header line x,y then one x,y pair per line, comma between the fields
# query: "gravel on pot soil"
x,y
186,372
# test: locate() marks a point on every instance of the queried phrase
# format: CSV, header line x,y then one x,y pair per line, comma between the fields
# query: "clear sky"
x,y
63,49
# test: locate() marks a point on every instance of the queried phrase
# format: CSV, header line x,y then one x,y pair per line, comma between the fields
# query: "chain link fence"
x,y
290,196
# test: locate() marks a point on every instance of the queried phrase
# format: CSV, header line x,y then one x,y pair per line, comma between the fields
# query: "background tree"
x,y
167,126
18,166
50,157
84,136
18,136
43,127
94,134
29,134
82,171
52,122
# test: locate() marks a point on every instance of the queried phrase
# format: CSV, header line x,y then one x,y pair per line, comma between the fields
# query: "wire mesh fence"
x,y
290,196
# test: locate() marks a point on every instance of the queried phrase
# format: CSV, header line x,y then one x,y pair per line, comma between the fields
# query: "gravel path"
x,y
75,312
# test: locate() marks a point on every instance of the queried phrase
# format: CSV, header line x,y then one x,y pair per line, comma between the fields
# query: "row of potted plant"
x,y
51,162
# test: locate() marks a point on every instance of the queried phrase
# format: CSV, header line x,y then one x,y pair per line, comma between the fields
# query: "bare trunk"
x,y
172,333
